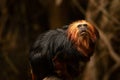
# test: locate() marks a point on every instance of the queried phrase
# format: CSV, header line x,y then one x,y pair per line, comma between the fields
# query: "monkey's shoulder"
x,y
50,38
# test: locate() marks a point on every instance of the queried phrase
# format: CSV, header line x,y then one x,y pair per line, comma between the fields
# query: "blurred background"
x,y
21,21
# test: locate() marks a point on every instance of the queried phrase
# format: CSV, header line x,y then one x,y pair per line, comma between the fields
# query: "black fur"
x,y
47,46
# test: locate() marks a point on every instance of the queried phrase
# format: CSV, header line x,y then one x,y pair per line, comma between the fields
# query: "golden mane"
x,y
82,43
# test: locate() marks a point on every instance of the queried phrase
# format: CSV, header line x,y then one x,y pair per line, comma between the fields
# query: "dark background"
x,y
21,21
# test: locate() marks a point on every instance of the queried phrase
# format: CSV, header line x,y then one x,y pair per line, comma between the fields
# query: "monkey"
x,y
58,52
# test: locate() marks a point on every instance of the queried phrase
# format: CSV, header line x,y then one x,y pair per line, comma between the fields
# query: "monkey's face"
x,y
83,29
83,35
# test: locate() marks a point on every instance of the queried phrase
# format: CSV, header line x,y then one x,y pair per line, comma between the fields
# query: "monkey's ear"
x,y
65,27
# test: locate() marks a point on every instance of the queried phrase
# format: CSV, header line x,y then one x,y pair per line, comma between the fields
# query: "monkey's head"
x,y
83,35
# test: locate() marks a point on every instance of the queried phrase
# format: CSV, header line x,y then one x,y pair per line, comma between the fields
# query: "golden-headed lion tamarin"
x,y
58,52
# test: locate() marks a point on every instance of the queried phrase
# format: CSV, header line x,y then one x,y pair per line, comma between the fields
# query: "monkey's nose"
x,y
83,29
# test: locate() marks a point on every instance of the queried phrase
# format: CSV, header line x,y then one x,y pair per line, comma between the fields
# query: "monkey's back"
x,y
44,49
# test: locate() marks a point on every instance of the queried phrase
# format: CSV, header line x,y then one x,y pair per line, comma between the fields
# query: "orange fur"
x,y
80,42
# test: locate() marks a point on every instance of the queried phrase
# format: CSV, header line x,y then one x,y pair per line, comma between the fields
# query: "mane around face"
x,y
83,36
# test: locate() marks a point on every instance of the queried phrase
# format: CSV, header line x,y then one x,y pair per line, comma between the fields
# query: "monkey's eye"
x,y
82,25
85,25
79,25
